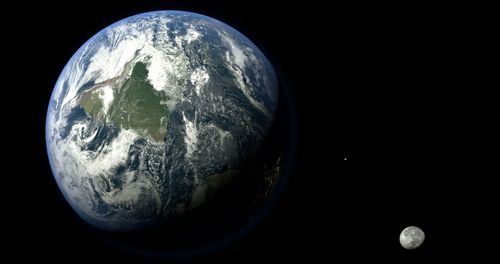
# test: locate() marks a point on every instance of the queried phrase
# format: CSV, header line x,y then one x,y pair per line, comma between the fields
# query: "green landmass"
x,y
136,105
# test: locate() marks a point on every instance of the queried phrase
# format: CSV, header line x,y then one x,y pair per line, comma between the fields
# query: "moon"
x,y
411,237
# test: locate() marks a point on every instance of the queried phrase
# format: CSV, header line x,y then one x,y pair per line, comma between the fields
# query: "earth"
x,y
156,116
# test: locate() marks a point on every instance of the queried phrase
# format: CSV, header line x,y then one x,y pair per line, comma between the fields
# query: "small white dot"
x,y
345,158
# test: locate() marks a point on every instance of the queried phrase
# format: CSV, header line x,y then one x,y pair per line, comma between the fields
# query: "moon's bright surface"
x,y
411,237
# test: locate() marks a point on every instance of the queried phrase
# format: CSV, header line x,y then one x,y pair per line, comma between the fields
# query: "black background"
x,y
396,111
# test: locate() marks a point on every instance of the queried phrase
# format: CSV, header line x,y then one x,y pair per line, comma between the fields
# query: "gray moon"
x,y
411,237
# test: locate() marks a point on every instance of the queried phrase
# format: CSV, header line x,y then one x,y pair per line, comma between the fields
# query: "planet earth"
x,y
158,114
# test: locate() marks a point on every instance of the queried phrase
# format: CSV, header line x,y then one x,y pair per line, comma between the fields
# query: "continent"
x,y
136,105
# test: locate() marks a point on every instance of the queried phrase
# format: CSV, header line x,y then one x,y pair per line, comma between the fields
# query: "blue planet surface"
x,y
155,115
